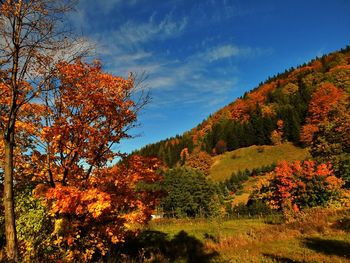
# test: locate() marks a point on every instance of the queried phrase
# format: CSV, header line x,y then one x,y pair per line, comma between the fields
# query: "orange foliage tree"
x,y
323,107
199,160
94,206
300,184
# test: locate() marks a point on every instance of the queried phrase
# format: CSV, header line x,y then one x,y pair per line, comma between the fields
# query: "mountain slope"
x,y
253,119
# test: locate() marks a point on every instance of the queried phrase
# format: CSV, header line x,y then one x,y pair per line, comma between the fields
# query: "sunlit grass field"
x,y
319,235
254,157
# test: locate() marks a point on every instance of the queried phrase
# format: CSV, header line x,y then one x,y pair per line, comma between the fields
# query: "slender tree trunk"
x,y
10,226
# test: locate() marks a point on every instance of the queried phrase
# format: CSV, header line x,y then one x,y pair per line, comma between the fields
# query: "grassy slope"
x,y
250,157
242,196
318,236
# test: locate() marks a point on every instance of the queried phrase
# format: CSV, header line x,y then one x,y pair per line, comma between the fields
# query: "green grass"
x,y
321,235
200,228
254,157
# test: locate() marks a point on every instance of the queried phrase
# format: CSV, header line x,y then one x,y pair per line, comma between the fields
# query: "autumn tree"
x,y
93,214
94,205
299,184
199,160
325,102
32,41
331,143
327,129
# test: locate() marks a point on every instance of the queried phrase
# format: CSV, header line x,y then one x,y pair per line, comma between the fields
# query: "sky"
x,y
200,55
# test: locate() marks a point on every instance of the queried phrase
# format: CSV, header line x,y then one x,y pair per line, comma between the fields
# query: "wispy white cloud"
x,y
221,52
132,33
189,80
135,56
194,78
227,51
105,6
163,82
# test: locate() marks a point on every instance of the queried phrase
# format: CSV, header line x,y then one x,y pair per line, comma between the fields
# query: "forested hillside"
x,y
286,107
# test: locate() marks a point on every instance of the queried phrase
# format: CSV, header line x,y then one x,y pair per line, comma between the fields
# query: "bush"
x,y
252,209
33,225
299,185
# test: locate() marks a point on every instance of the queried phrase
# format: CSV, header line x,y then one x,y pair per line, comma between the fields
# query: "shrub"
x,y
300,184
252,209
34,227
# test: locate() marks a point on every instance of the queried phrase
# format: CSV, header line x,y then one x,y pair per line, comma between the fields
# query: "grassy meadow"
x,y
318,235
253,157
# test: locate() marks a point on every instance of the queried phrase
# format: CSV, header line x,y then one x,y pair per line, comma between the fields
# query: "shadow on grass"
x,y
155,246
343,224
276,258
329,247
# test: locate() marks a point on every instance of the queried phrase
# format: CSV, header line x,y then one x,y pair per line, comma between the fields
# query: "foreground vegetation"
x,y
316,235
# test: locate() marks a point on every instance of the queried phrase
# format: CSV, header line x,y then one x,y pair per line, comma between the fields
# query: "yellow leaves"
x,y
57,137
268,110
290,88
115,239
25,126
70,255
87,256
97,208
58,241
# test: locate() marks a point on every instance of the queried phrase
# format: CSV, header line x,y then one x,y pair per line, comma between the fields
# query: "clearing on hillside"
x,y
254,157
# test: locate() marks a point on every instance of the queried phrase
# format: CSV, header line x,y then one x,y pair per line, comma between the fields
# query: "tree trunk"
x,y
10,226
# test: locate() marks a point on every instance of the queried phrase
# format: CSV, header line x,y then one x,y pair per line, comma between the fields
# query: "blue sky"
x,y
201,55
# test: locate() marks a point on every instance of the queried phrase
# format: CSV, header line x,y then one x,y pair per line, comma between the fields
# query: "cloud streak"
x,y
132,33
221,52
